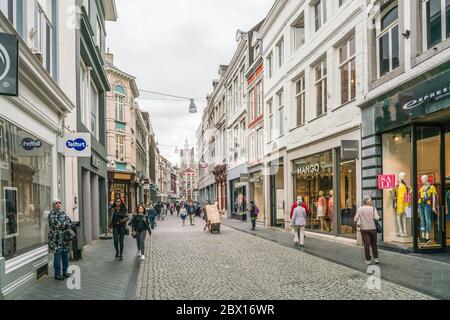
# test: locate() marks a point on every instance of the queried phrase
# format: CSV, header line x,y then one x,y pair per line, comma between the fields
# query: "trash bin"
x,y
77,243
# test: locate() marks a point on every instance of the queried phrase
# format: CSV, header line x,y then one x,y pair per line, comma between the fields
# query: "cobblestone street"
x,y
188,263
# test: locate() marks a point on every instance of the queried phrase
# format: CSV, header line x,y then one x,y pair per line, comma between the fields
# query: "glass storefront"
x,y
26,189
257,192
332,210
239,199
314,182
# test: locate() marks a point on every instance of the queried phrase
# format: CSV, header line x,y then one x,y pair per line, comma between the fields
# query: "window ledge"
x,y
297,127
343,105
430,53
119,121
316,118
387,77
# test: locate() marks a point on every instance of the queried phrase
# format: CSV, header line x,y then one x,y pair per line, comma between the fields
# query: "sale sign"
x,y
386,181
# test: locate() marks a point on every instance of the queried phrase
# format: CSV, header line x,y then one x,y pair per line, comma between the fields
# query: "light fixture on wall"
x,y
407,34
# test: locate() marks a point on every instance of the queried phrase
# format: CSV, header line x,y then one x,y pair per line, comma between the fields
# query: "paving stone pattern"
x,y
187,263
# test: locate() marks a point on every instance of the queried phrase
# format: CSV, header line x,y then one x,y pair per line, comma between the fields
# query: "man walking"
x,y
191,212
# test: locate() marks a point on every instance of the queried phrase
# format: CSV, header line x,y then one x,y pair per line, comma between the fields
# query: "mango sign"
x,y
386,181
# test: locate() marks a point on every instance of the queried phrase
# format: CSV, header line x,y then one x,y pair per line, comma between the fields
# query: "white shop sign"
x,y
75,145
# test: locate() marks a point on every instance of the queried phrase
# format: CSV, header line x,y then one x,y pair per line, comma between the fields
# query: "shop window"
x,y
26,189
347,199
397,211
429,187
447,183
314,182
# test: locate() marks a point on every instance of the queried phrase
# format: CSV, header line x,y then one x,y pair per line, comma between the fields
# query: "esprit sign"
x,y
309,169
386,181
76,145
433,96
9,64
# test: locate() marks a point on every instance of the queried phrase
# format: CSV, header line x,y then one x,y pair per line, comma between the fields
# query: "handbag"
x,y
377,224
134,232
69,235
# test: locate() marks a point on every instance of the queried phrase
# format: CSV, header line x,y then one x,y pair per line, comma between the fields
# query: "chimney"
x,y
109,58
215,83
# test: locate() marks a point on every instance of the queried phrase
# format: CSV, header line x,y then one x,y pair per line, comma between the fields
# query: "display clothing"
x,y
321,207
402,191
331,209
425,217
426,194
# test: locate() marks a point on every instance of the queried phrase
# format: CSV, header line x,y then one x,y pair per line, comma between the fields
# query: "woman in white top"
x,y
299,223
365,219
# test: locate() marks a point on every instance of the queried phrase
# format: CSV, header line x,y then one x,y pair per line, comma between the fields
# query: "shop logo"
x,y
5,62
78,144
309,169
29,144
438,95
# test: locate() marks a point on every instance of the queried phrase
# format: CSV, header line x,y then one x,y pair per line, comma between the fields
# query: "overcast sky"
x,y
176,47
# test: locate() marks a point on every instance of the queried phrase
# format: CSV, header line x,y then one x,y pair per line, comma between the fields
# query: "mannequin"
x,y
427,204
402,190
331,209
322,210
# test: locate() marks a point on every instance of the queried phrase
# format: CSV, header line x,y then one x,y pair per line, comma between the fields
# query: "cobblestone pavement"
x,y
188,263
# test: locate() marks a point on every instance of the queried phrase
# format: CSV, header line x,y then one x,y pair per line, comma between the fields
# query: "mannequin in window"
x,y
401,203
322,211
427,205
330,210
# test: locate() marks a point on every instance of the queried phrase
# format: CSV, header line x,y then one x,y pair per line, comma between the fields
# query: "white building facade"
x,y
313,81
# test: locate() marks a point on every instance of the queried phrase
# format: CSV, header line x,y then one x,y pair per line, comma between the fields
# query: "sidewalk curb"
x,y
398,282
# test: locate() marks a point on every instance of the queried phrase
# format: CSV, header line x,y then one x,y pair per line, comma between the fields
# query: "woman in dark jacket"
x,y
140,228
152,216
118,218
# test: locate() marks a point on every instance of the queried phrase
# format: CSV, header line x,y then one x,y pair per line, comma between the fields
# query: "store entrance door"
x,y
430,187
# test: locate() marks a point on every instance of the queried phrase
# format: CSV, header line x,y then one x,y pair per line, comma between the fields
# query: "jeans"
x,y
152,222
140,240
425,217
253,223
191,219
61,255
118,235
369,238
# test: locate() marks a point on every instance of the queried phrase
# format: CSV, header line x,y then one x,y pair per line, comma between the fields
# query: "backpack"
x,y
256,210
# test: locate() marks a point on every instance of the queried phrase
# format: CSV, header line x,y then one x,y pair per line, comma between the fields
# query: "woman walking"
x,y
117,222
299,223
365,220
59,224
140,228
254,211
183,214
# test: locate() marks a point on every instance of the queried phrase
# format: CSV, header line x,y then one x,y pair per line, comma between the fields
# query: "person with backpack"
x,y
254,211
140,229
59,240
151,214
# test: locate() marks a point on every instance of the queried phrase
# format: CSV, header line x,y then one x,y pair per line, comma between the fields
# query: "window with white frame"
x,y
271,128
94,110
120,103
280,101
347,70
280,52
251,104
259,99
230,97
84,94
237,102
388,41
236,143
270,65
231,143
300,92
260,144
120,147
320,73
320,13
243,143
45,31
8,7
298,28
252,147
436,22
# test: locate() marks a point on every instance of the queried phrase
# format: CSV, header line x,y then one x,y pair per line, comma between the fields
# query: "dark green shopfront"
x,y
406,134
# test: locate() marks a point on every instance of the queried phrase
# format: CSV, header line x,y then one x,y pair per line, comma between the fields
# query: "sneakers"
x,y
377,261
117,255
368,262
142,257
120,258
